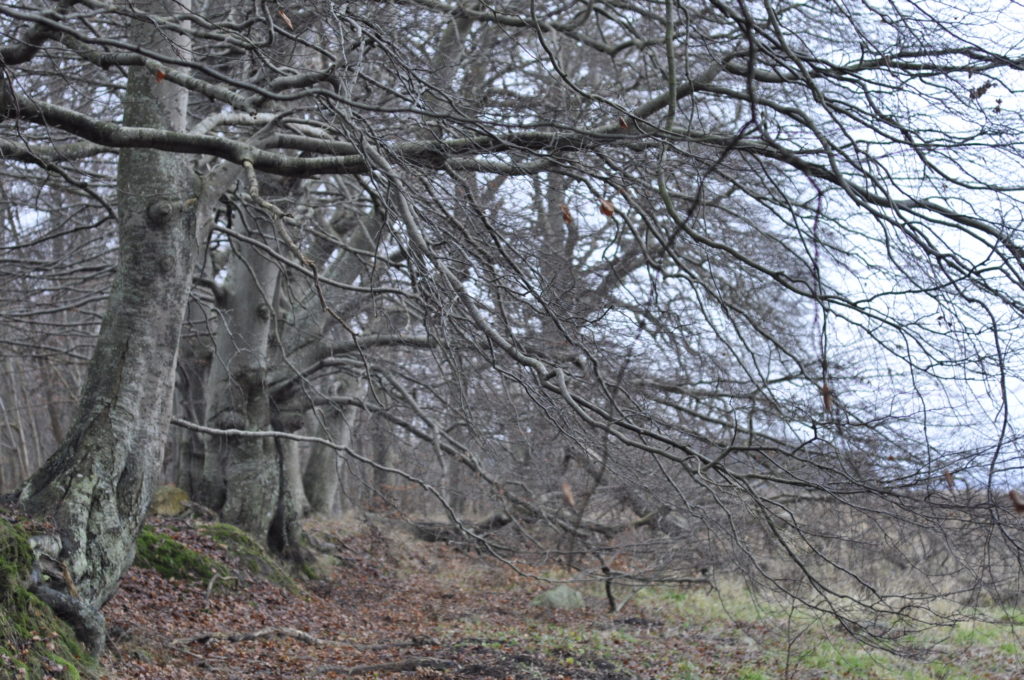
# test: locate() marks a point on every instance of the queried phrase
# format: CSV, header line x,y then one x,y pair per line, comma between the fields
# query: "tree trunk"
x,y
193,372
98,484
323,473
291,477
241,474
322,477
285,536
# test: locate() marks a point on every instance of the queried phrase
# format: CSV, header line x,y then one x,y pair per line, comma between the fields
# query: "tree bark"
x,y
285,536
98,484
322,475
186,449
241,474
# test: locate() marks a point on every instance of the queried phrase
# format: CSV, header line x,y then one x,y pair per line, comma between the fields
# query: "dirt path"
x,y
387,609
392,607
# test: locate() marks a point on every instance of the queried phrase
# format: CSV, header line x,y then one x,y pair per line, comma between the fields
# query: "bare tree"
x,y
697,269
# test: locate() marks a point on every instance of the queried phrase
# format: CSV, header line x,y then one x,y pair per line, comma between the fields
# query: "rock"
x,y
560,597
168,501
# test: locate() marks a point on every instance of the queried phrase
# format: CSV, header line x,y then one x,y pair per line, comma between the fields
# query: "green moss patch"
x,y
243,550
34,643
170,558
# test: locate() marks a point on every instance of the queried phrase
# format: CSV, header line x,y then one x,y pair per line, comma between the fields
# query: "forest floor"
x,y
392,607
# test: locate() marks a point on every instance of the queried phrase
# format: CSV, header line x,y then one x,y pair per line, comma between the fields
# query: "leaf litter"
x,y
387,606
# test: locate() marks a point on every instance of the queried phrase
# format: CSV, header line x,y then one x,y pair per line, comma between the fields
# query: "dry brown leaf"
x,y
826,397
1018,501
566,215
570,499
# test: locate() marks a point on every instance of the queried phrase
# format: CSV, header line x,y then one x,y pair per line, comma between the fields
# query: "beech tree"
x,y
711,271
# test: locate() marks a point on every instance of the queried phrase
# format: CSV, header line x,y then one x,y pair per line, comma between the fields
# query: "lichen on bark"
x,y
97,486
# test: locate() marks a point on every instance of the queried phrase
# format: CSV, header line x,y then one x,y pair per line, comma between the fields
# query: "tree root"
x,y
86,620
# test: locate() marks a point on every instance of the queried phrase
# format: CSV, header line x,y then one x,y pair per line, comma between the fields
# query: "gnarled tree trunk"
x,y
241,475
98,484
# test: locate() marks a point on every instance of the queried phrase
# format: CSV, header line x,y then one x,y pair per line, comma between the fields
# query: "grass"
x,y
751,674
729,634
673,633
795,642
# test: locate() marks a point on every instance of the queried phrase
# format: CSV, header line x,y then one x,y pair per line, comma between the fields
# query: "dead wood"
x,y
404,665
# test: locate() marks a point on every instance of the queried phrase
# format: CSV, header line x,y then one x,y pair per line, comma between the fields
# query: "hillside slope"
x,y
207,604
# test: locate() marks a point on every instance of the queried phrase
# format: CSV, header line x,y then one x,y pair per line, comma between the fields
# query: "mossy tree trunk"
x,y
98,484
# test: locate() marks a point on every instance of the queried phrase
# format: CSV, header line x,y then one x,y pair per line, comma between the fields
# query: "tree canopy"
x,y
734,280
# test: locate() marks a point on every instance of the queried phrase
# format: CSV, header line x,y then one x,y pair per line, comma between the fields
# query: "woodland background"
x,y
653,290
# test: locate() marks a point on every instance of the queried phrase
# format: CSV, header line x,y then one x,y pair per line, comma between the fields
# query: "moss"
x,y
250,555
57,661
34,643
170,558
309,571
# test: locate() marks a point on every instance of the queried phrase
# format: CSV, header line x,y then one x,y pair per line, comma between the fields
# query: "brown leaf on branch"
x,y
570,499
979,92
566,215
826,397
606,207
286,20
